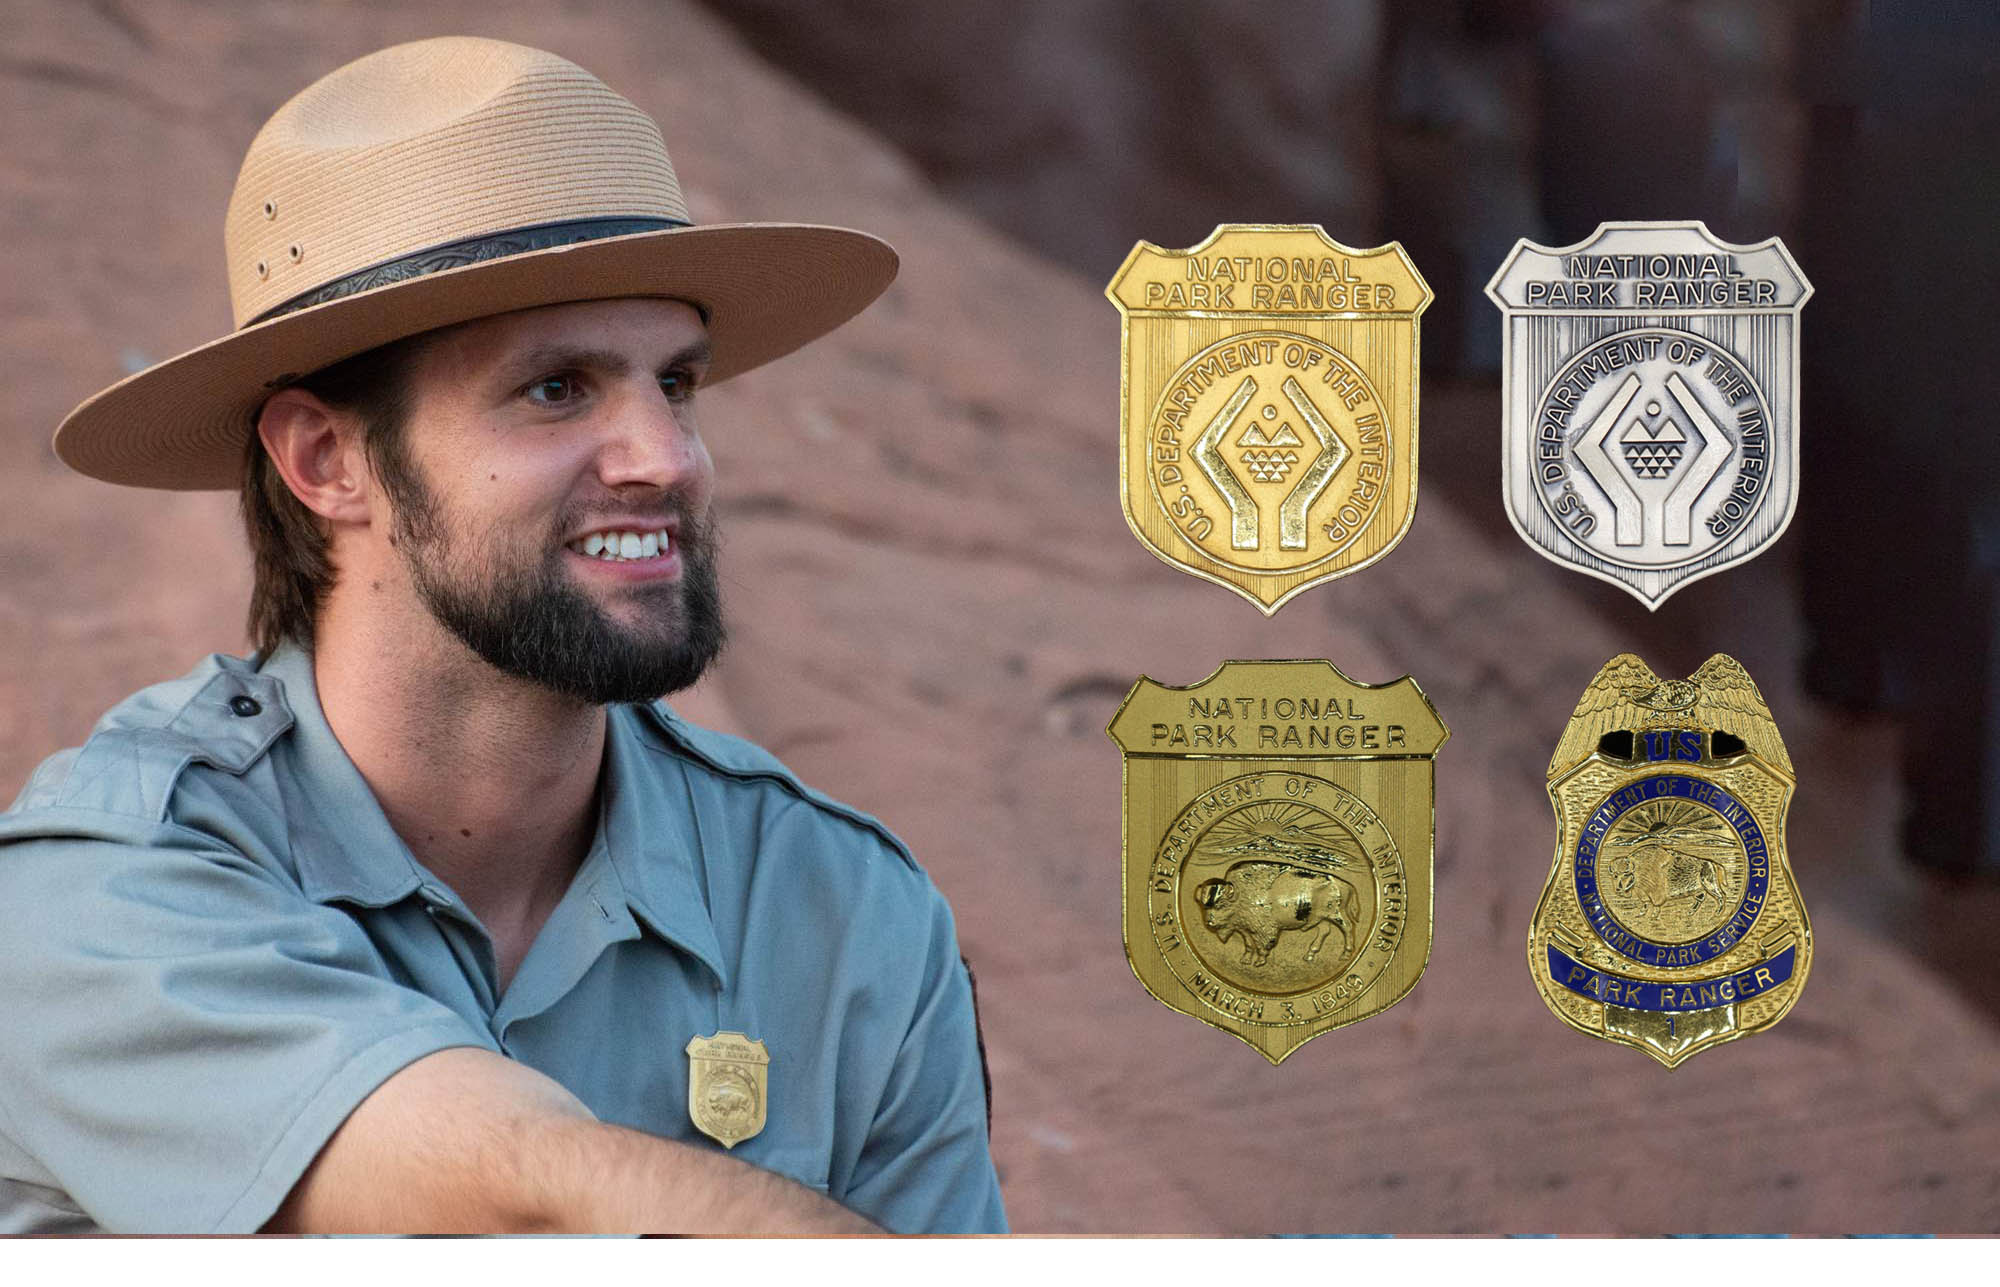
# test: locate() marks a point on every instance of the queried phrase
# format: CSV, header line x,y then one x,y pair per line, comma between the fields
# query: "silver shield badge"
x,y
1651,392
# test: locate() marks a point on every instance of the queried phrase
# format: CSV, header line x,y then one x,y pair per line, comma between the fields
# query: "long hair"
x,y
292,570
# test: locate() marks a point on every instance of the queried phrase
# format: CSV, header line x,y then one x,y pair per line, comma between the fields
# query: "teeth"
x,y
624,545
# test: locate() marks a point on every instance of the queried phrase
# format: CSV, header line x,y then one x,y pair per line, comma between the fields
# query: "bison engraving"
x,y
1262,900
1662,856
1671,875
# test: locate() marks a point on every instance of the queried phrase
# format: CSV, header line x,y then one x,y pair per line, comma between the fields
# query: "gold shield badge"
x,y
1279,824
728,1076
1269,405
1671,920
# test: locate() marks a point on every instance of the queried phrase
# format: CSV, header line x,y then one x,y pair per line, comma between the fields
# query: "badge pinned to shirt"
x,y
728,1081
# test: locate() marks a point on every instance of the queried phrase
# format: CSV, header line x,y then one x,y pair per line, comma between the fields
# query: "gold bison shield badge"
x,y
1671,920
1269,405
728,1081
1279,825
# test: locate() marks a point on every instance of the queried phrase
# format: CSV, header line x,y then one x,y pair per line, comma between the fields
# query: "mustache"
x,y
694,517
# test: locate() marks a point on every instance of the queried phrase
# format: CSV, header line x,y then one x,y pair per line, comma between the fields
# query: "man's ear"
x,y
318,453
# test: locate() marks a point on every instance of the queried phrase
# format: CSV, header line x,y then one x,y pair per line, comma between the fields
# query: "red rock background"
x,y
937,606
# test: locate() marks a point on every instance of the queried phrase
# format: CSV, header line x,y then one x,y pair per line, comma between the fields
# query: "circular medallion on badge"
x,y
1282,456
1675,871
730,1100
1672,871
1652,447
1287,902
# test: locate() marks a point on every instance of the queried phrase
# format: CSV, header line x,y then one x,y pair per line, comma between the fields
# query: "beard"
x,y
532,621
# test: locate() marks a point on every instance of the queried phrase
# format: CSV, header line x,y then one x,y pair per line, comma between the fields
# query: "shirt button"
x,y
245,706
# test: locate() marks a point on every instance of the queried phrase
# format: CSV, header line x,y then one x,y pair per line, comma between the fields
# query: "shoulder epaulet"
x,y
733,757
224,713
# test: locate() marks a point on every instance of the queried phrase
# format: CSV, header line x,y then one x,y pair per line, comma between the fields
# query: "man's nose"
x,y
652,442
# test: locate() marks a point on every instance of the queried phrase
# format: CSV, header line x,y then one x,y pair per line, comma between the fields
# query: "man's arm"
x,y
467,1141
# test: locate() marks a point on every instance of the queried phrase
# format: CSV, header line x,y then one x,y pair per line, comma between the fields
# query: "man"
x,y
426,917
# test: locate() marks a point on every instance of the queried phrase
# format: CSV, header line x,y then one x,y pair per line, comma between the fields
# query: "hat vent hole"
x,y
296,252
270,210
263,269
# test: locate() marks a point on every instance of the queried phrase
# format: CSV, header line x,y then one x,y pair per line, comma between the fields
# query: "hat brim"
x,y
767,289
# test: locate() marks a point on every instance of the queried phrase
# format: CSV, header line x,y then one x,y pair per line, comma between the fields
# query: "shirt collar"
x,y
653,834
346,851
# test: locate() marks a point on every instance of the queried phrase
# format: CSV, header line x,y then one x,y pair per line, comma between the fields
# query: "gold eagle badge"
x,y
1671,920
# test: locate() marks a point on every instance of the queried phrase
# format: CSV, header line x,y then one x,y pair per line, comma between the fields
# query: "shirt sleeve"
x,y
926,1166
184,1031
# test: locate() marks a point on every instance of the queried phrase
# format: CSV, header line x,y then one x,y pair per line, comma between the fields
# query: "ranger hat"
x,y
437,182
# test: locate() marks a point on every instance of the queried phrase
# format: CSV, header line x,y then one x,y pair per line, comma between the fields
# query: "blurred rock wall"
x,y
1077,127
1455,127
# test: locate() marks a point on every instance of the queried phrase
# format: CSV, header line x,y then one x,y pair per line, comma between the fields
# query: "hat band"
x,y
471,250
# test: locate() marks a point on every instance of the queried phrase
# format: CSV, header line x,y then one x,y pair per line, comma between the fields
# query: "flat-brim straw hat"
x,y
437,182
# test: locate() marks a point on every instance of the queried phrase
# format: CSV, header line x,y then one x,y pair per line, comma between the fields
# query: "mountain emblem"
x,y
1653,453
1255,436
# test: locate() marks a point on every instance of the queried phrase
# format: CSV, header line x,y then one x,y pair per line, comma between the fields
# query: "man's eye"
x,y
552,390
677,385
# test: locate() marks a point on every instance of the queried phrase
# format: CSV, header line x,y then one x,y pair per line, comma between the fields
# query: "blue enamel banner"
x,y
1676,997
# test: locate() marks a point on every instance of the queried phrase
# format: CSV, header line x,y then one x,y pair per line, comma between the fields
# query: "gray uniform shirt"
x,y
213,946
